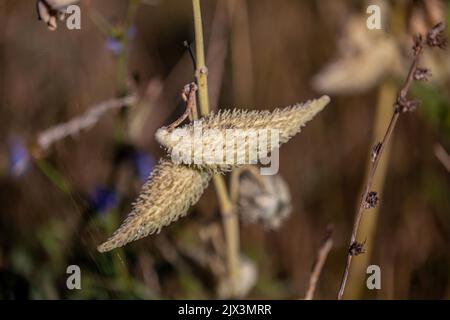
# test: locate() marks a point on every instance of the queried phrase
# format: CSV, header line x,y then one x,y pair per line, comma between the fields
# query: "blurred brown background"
x,y
261,54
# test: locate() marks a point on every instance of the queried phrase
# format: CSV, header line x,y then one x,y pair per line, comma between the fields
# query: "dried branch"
x,y
387,92
62,130
403,104
188,96
322,255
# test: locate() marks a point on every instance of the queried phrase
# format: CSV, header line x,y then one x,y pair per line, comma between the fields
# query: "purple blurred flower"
x,y
114,45
103,199
143,164
19,159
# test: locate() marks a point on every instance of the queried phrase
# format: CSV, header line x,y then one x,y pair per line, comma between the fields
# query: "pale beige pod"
x,y
266,201
196,143
165,197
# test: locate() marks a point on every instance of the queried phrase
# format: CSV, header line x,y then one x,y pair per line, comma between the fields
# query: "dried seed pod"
x,y
165,197
269,204
228,139
364,57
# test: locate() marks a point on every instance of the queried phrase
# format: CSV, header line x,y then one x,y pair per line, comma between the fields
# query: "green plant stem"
x,y
229,217
122,59
54,176
201,72
231,227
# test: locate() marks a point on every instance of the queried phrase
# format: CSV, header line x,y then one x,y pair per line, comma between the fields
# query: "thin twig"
x,y
229,217
58,132
188,46
322,255
403,104
188,95
387,93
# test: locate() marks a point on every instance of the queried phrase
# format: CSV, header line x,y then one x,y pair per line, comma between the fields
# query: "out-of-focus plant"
x,y
369,59
260,199
403,103
19,159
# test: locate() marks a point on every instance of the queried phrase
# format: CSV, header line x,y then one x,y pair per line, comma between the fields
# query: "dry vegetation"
x,y
78,116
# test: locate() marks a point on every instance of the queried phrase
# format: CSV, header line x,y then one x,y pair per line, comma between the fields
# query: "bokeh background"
x,y
57,205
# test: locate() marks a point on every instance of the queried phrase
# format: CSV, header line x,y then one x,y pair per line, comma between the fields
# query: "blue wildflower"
x,y
103,199
19,159
143,164
114,45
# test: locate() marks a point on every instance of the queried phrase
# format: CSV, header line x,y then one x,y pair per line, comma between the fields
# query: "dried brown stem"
x,y
322,255
188,95
403,104
48,137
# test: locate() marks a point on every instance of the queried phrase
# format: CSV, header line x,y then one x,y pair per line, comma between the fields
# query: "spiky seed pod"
x,y
165,197
172,188
222,141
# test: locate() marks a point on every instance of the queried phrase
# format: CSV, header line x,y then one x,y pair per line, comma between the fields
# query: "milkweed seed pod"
x,y
165,197
266,200
228,139
50,11
365,56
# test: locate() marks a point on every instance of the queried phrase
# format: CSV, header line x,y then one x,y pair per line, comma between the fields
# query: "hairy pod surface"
x,y
230,138
165,197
